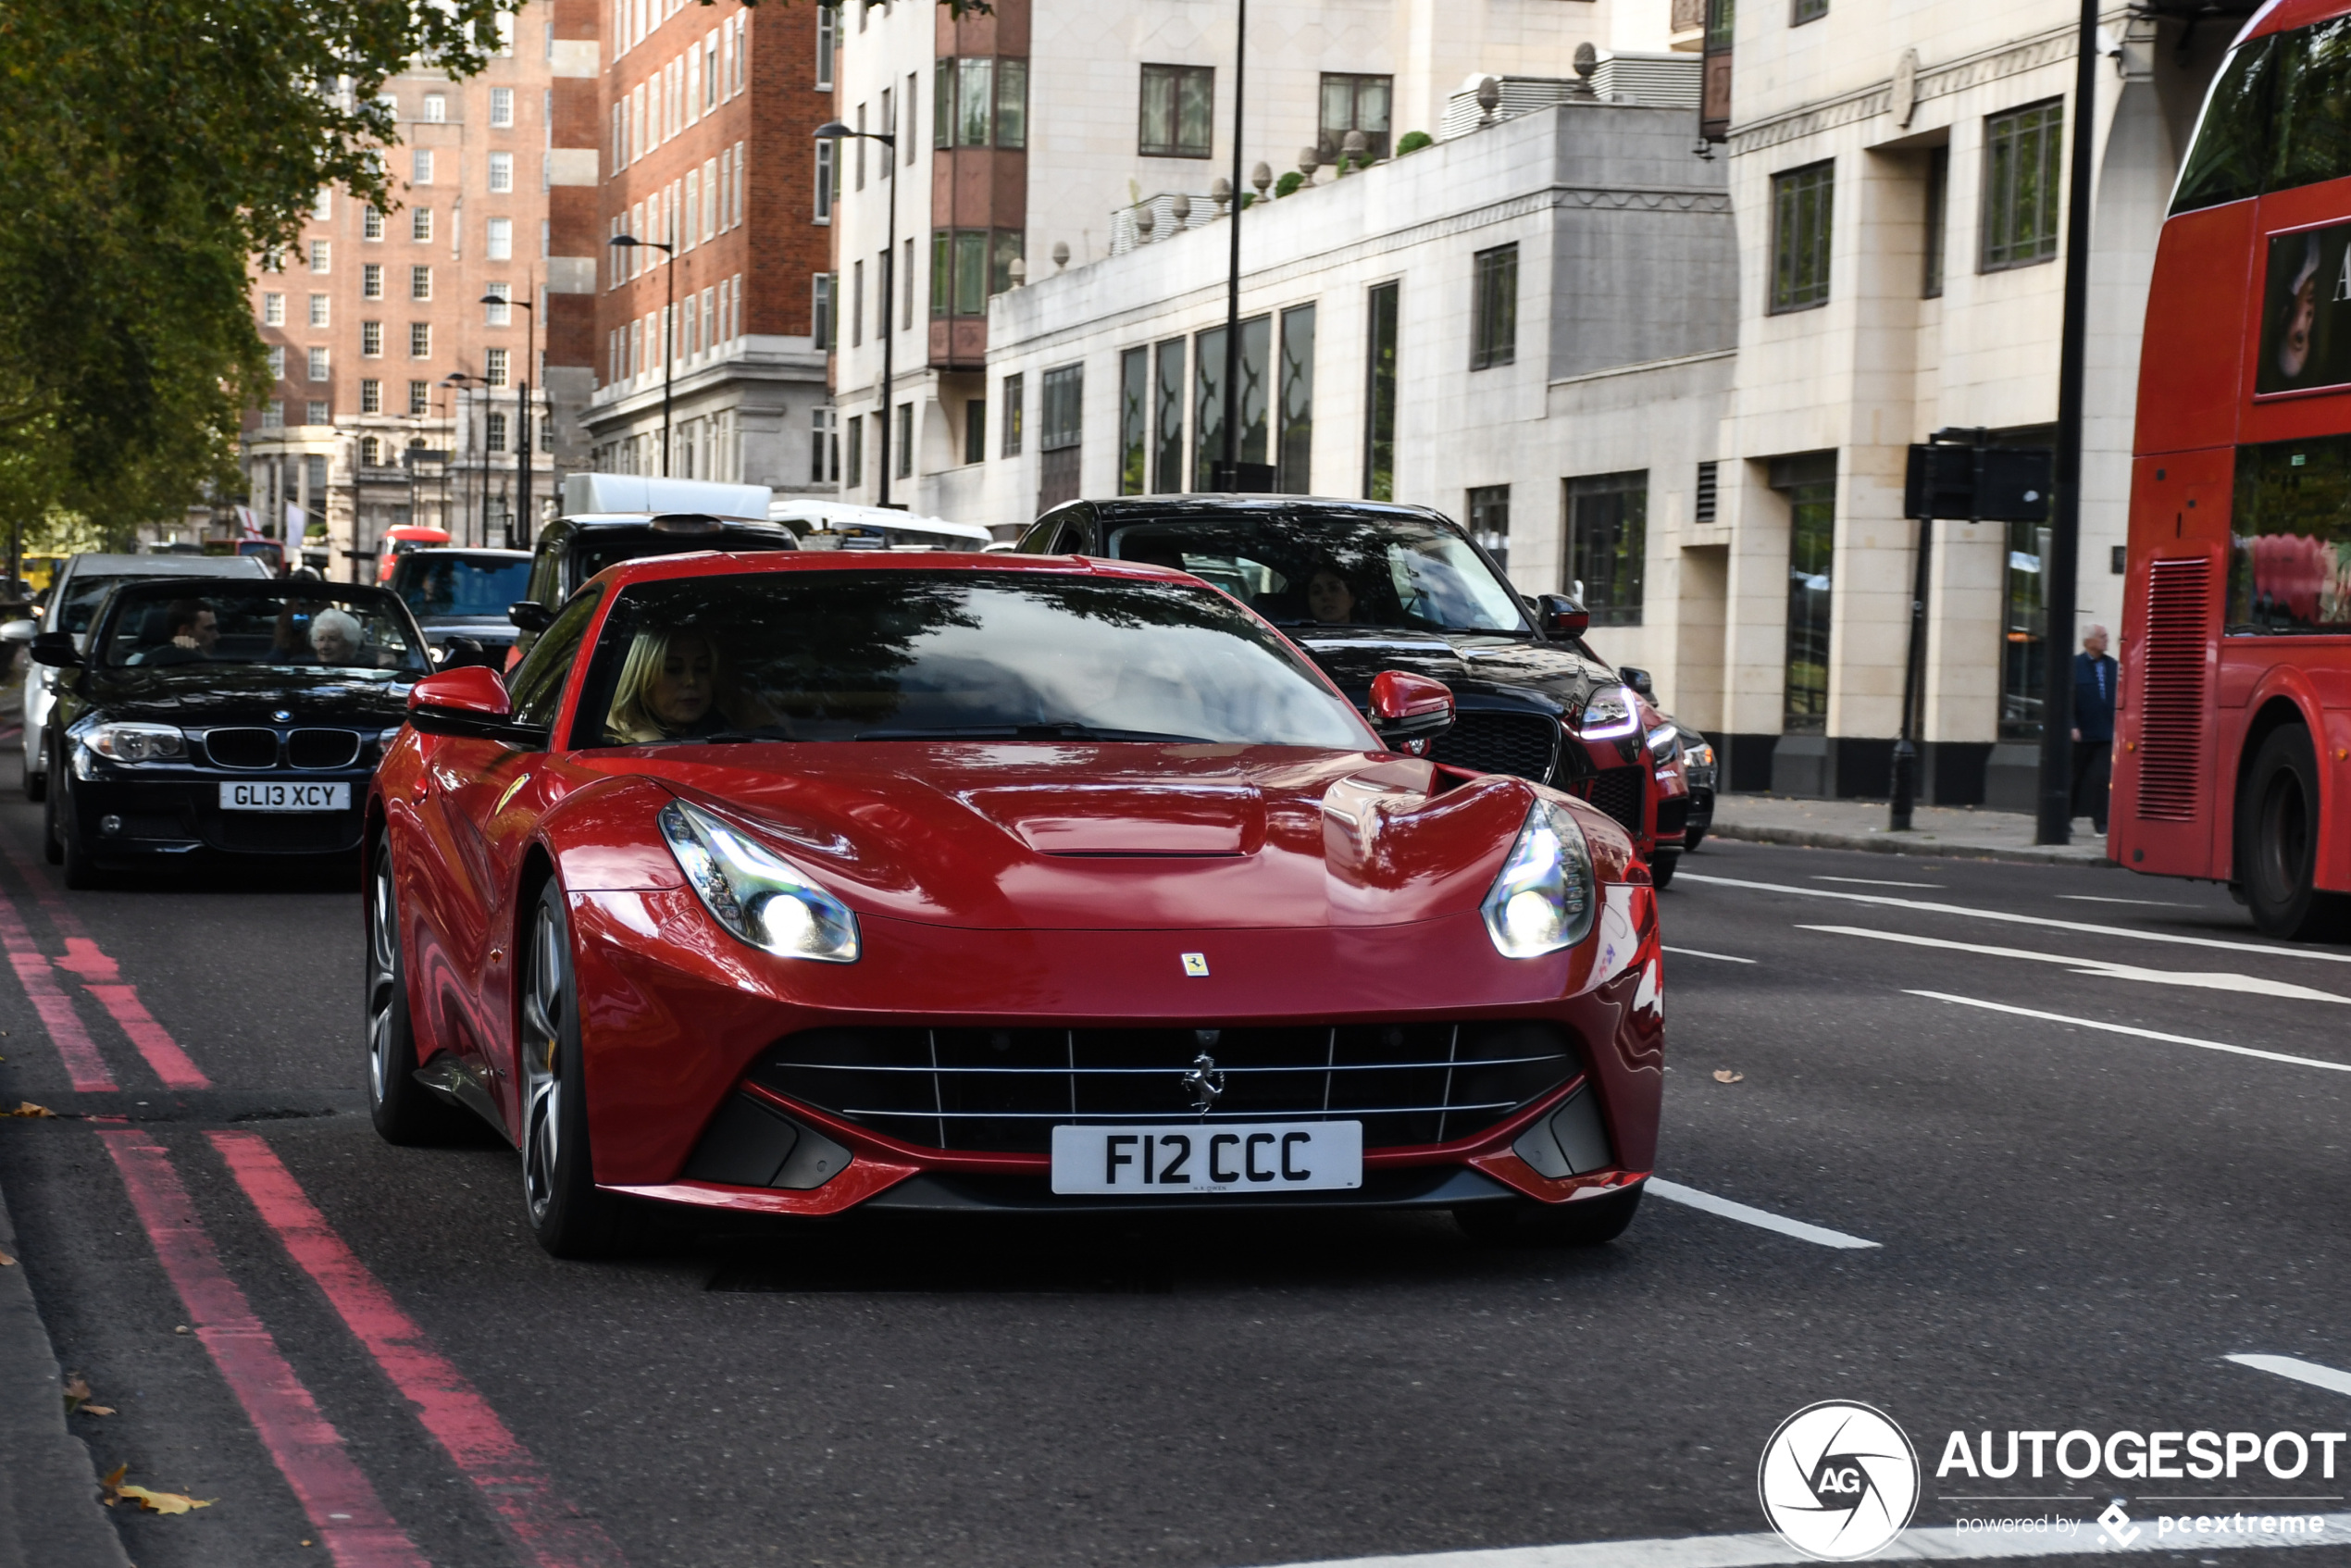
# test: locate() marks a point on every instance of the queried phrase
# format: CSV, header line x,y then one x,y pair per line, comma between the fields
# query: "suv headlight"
x,y
136,742
1663,740
1611,714
1544,900
756,893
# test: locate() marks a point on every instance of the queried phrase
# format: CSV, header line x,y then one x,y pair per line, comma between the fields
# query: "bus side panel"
x,y
2198,305
2166,781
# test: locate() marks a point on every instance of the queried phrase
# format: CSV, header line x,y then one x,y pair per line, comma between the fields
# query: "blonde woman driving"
x,y
676,685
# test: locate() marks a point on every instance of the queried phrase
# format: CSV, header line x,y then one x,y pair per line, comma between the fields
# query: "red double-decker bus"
x,y
2233,750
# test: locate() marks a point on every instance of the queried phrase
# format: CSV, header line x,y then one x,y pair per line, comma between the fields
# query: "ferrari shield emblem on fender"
x,y
1195,966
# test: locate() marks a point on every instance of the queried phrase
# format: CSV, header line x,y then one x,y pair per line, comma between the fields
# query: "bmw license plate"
x,y
1192,1157
284,794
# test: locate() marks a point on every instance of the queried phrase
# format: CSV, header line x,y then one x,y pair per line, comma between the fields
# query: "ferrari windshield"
x,y
915,655
1302,568
164,623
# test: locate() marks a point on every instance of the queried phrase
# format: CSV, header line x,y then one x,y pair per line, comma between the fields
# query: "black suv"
x,y
572,550
1365,586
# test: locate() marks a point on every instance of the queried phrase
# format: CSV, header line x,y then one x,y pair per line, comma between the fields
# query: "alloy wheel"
x,y
543,1003
383,978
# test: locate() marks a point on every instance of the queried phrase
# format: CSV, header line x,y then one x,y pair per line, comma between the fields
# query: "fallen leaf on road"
x,y
112,1490
6,1262
27,1108
1724,1075
77,1397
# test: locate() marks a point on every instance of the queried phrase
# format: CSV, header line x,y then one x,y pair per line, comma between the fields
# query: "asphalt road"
x,y
2076,1227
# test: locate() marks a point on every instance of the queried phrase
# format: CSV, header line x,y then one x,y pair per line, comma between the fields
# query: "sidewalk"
x,y
1964,832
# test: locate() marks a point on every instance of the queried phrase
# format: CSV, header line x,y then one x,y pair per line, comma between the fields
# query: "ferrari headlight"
x,y
756,893
136,742
1609,715
1544,900
1662,740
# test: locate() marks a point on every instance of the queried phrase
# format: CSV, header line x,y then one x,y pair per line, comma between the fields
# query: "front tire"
x,y
1588,1222
402,1110
66,846
36,771
2278,839
1662,864
53,839
569,1217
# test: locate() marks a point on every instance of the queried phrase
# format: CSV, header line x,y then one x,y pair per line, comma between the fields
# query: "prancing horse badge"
x,y
1195,966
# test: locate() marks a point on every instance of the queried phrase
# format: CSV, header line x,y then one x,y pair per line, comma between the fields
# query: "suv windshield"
x,y
447,588
598,548
1334,568
910,655
159,624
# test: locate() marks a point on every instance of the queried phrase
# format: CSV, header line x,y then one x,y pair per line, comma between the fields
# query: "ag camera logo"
x,y
1839,1481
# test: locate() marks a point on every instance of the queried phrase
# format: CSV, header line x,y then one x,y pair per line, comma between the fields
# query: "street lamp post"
x,y
834,131
519,521
668,331
455,382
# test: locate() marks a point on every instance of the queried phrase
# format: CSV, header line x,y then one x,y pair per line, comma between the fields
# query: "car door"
x,y
479,802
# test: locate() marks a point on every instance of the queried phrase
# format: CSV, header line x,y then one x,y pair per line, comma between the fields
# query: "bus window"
x,y
2290,544
2313,123
2232,146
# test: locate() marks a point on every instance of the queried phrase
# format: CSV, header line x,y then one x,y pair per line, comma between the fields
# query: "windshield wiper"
x,y
1024,732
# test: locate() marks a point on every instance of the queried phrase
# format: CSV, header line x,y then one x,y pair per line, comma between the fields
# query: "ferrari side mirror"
x,y
470,703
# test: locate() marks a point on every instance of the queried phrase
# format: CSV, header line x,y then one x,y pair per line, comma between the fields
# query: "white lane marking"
x,y
1932,908
1700,952
2149,903
2204,980
2141,1034
1937,1543
1878,882
1817,1235
2301,1371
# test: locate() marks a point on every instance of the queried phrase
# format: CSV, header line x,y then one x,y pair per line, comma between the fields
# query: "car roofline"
x,y
698,563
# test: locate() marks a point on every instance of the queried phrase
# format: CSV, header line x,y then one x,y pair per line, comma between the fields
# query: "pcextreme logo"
x,y
1839,1481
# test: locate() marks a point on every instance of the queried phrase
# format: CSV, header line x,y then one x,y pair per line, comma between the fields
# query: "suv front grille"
x,y
1525,744
1617,791
1004,1090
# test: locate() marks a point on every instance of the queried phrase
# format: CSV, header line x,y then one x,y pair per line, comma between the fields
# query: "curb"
x,y
1884,843
49,1513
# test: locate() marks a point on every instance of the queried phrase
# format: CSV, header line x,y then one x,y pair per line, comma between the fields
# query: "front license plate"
x,y
275,794
1239,1157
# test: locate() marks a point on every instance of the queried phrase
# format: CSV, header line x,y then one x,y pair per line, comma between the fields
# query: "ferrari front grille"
x,y
1525,744
1004,1089
1617,791
241,748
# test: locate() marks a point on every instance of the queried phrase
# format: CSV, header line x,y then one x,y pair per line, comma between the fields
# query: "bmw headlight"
x,y
1609,715
756,893
1544,900
136,742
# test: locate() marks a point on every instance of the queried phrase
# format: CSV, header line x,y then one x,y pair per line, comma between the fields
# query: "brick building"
x,y
396,396
706,128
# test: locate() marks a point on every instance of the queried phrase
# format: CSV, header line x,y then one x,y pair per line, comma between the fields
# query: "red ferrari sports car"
x,y
799,883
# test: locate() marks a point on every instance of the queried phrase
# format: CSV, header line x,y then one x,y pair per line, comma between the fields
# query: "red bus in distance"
x,y
2233,748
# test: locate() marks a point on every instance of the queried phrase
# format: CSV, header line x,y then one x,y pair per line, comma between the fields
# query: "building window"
x,y
436,108
2022,170
371,451
420,282
856,303
906,293
853,457
1494,308
499,240
322,256
502,171
494,366
496,311
1802,204
371,281
371,397
420,340
828,178
1810,485
277,353
827,44
317,365
419,398
1064,408
1608,542
962,272
1134,388
420,225
901,457
1294,442
2024,641
1489,521
1167,421
1354,103
1011,103
820,311
1178,103
320,308
888,114
273,310
824,443
1013,388
1379,399
1210,406
371,223
502,105
976,430
319,413
273,413
973,109
1805,11
420,166
493,436
1938,218
1702,508
371,340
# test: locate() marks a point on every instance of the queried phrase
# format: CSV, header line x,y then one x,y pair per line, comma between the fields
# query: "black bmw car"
x,y
223,716
1367,586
